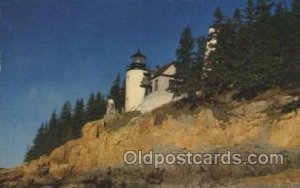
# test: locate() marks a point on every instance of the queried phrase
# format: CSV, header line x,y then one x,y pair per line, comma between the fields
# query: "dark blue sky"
x,y
59,50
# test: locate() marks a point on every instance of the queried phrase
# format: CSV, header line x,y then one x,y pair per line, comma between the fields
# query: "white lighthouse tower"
x,y
134,76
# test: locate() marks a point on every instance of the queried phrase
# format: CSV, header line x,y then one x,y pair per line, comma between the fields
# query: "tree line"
x,y
67,125
257,48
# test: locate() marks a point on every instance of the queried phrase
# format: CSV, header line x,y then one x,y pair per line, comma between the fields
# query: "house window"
x,y
155,85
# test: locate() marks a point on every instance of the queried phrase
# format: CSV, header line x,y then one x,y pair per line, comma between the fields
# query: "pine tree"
x,y
293,67
65,122
247,36
90,109
39,147
219,18
68,126
264,64
257,53
237,21
224,57
96,106
100,105
279,11
79,117
296,8
115,93
198,68
250,12
263,10
54,133
185,60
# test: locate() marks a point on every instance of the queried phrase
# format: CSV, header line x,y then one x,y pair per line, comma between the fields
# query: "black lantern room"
x,y
138,61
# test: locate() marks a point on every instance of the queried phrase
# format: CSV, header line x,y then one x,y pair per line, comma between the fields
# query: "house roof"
x,y
160,71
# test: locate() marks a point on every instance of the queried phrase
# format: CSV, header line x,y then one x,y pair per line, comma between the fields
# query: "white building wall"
x,y
159,97
134,92
171,70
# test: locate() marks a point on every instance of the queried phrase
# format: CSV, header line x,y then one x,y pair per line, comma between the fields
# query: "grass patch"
x,y
121,120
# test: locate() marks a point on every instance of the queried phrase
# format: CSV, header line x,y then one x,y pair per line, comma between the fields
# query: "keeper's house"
x,y
147,89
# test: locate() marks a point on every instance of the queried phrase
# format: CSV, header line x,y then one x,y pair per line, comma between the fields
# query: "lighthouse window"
x,y
156,85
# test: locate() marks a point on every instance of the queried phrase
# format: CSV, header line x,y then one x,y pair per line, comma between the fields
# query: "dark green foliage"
x,y
258,52
39,144
189,65
250,13
237,21
117,93
48,137
196,71
294,41
219,18
296,8
79,118
96,106
53,132
65,123
67,127
255,50
100,106
91,107
184,56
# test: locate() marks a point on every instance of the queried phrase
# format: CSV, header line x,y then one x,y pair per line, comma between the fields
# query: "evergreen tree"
x,y
292,69
280,10
219,76
185,60
116,93
68,126
91,107
237,21
96,106
247,36
53,135
256,54
79,118
219,18
198,69
65,122
39,147
250,12
100,105
264,66
296,8
263,10
224,58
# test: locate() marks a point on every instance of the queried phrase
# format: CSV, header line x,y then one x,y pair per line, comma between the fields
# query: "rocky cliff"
x,y
259,125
